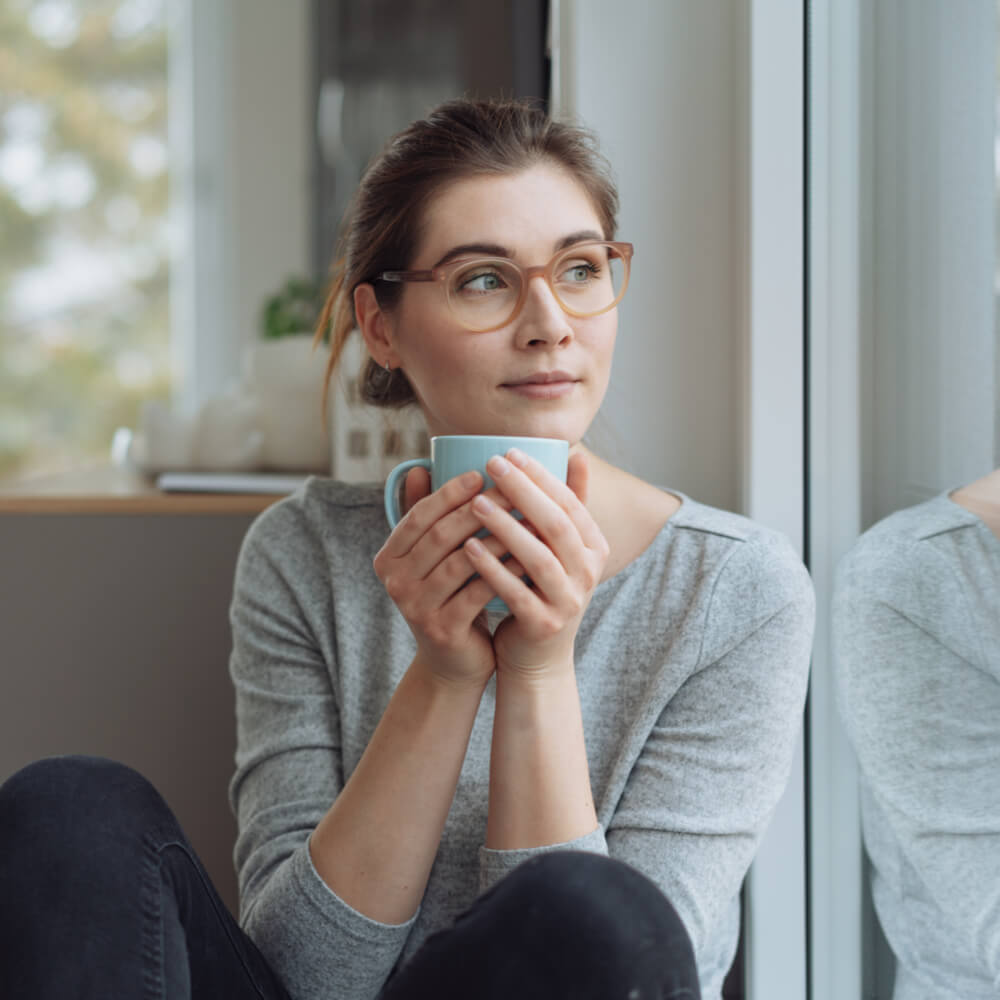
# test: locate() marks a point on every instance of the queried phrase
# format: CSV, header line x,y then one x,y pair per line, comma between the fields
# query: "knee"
x,y
606,909
59,800
577,886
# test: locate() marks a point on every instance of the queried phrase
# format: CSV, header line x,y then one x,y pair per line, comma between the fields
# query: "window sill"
x,y
107,489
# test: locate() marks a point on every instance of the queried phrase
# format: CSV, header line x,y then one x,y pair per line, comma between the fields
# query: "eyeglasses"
x,y
486,293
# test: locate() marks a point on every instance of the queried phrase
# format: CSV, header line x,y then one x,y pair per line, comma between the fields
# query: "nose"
x,y
542,322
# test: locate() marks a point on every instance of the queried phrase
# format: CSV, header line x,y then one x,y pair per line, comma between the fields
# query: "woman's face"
x,y
545,373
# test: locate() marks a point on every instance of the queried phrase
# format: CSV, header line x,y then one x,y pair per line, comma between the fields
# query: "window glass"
x,y
84,255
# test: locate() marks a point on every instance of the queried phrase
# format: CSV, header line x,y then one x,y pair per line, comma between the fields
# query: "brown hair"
x,y
460,138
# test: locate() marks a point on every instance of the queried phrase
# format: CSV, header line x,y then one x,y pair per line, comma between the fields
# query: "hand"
x,y
561,549
426,572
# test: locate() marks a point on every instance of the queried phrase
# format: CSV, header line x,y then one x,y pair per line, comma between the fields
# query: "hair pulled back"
x,y
458,139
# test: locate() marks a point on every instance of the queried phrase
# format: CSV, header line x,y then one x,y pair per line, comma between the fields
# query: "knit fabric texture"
x,y
691,664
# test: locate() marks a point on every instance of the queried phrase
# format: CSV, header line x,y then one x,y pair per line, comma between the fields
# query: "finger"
x,y
457,574
428,510
539,558
554,523
501,577
417,486
454,571
562,496
446,535
478,592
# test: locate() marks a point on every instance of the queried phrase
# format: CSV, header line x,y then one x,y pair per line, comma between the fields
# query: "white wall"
x,y
661,84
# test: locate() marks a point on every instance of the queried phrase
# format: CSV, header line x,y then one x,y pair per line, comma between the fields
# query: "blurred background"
x,y
85,240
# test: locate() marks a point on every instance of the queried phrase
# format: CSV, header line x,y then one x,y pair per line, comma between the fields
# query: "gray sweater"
x,y
917,641
691,664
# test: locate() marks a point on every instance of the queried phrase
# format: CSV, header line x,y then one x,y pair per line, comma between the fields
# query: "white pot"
x,y
285,376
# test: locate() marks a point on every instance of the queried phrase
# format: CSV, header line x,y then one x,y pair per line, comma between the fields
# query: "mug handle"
x,y
392,485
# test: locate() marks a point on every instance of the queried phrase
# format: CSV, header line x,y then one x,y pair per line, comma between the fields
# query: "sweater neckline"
x,y
979,525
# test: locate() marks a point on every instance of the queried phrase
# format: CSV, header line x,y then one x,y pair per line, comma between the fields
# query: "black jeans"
x,y
101,896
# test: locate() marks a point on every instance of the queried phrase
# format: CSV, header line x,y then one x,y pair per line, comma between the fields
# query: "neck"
x,y
600,488
629,512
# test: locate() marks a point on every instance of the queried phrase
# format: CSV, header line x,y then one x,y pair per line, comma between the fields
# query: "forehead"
x,y
527,212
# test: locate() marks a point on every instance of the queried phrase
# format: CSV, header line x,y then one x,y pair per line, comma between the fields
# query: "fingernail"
x,y
470,479
482,505
474,546
517,456
498,466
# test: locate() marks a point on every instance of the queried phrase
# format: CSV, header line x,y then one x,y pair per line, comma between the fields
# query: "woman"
x,y
563,803
916,622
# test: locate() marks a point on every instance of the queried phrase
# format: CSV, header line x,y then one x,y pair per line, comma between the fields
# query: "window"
x,y
84,235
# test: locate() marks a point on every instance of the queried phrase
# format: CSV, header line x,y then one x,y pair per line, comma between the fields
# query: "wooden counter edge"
x,y
110,490
162,503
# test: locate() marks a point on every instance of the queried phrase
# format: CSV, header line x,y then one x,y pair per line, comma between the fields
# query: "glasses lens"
x,y
588,279
483,293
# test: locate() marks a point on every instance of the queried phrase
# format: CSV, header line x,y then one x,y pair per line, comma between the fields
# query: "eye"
x,y
580,272
481,282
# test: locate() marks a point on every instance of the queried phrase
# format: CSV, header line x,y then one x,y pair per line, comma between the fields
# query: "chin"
x,y
563,426
560,431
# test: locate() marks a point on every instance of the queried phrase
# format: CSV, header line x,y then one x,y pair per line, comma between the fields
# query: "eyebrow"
x,y
497,250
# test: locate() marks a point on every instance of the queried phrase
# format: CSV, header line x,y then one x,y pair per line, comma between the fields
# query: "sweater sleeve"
x,y
289,771
718,756
923,718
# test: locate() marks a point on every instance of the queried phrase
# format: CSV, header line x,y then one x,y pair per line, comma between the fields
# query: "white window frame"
x,y
240,126
774,469
835,307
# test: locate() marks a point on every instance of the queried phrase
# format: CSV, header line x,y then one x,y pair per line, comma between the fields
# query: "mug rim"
x,y
496,437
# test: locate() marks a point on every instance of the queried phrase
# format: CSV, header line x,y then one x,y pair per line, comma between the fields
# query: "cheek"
x,y
600,339
443,367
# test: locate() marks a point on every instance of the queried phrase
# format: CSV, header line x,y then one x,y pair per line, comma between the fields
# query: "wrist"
x,y
439,684
551,672
538,693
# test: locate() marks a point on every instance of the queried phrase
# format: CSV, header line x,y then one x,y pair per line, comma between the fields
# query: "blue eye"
x,y
580,273
485,281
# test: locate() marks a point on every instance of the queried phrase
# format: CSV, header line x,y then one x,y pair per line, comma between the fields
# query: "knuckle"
x,y
438,534
395,587
417,517
560,528
457,569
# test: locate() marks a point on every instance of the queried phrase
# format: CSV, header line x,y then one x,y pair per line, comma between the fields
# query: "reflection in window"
x,y
83,225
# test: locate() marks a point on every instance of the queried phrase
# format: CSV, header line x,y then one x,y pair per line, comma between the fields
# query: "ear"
x,y
375,326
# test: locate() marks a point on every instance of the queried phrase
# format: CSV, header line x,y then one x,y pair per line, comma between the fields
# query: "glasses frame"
x,y
443,272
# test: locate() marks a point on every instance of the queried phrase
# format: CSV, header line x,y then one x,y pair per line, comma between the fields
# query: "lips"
x,y
543,378
543,385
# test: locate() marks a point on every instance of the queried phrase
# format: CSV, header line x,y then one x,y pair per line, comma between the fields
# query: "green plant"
x,y
294,309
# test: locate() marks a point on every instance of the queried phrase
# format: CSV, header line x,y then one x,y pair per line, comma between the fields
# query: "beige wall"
x,y
115,642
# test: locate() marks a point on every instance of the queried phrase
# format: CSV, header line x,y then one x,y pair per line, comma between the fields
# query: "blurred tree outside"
x,y
84,236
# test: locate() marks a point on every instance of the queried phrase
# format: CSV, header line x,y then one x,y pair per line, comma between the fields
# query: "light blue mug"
x,y
453,454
